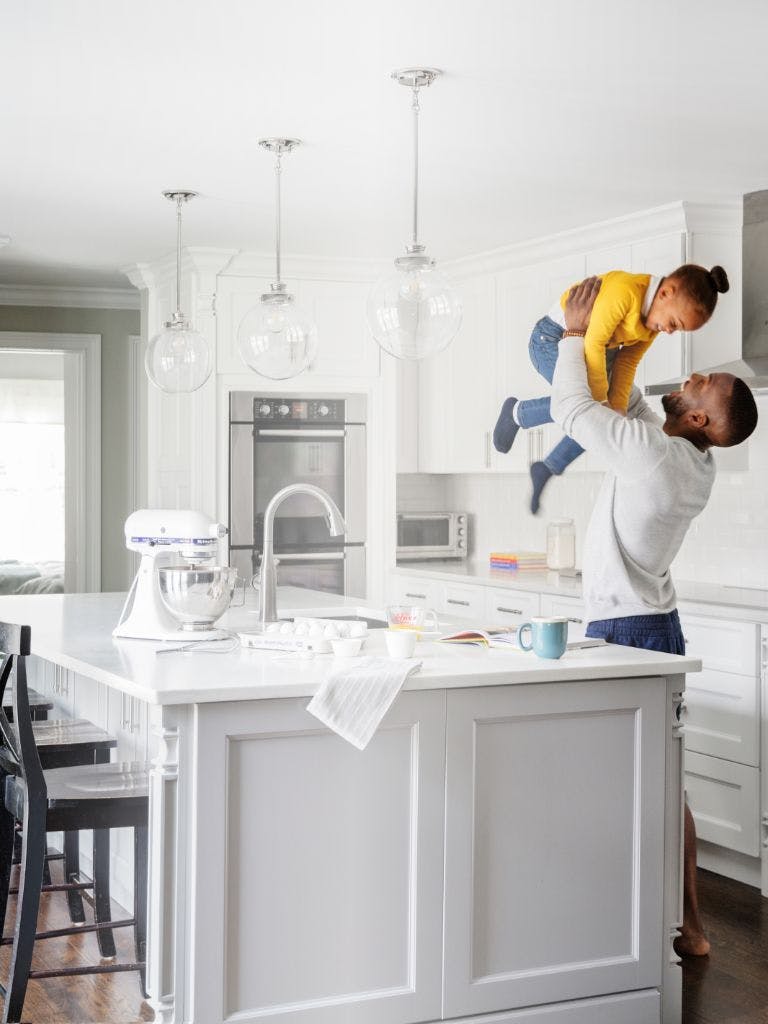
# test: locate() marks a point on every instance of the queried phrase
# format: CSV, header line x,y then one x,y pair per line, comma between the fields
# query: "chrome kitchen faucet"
x,y
268,573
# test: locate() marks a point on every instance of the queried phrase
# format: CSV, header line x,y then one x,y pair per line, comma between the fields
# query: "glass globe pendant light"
x,y
178,358
276,338
414,312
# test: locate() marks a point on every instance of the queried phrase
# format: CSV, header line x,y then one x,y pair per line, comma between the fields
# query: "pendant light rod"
x,y
179,196
278,147
415,79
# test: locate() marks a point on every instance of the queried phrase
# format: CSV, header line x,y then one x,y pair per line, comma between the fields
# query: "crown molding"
x,y
73,298
724,216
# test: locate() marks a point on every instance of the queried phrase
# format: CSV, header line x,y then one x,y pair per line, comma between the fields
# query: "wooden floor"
x,y
728,987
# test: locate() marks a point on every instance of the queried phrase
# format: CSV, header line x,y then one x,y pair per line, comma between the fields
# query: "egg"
x,y
302,629
286,628
273,627
357,629
331,631
315,629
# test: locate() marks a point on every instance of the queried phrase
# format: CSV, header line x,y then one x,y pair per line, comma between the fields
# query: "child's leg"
x,y
562,455
514,414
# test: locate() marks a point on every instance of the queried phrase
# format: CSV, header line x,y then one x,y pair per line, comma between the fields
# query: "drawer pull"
x,y
509,611
452,600
579,621
422,596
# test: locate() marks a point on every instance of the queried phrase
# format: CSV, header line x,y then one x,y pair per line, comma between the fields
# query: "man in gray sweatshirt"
x,y
660,475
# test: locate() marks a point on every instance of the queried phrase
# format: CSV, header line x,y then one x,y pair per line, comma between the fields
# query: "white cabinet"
x,y
407,414
570,608
524,792
505,607
457,395
462,600
323,896
416,590
721,714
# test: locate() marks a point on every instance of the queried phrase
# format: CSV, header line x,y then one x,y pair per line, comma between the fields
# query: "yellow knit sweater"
x,y
616,322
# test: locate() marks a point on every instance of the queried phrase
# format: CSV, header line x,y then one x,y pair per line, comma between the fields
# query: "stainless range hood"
x,y
753,365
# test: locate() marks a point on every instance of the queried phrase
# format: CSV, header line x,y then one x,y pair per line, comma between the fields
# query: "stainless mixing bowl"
x,y
197,595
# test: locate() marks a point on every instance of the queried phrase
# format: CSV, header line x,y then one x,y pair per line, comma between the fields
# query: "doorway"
x,y
50,493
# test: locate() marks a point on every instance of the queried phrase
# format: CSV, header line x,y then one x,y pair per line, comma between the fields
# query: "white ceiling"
x,y
550,114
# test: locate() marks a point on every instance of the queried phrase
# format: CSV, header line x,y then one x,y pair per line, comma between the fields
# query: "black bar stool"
x,y
98,797
39,705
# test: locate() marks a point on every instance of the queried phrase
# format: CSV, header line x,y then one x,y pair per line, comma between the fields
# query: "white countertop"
x,y
75,631
751,602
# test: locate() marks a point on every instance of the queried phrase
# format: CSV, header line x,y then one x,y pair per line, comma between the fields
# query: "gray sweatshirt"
x,y
655,487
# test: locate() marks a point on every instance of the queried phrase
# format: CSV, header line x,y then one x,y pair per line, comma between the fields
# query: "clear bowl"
x,y
197,595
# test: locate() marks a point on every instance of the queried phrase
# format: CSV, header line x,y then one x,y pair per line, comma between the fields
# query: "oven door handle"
x,y
311,556
309,434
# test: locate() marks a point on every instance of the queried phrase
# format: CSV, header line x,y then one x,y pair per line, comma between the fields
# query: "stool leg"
x,y
102,911
72,873
7,839
140,900
30,882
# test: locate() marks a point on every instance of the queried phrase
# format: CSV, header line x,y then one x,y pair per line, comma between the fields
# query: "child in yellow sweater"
x,y
630,310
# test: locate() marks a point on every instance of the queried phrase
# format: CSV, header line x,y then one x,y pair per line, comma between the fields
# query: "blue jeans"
x,y
650,632
533,412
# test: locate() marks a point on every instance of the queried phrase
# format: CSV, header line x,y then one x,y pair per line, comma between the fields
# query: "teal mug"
x,y
549,636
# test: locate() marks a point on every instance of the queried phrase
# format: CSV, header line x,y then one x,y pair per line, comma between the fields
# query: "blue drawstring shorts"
x,y
650,632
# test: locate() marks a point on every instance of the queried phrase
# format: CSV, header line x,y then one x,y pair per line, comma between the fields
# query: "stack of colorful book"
x,y
519,560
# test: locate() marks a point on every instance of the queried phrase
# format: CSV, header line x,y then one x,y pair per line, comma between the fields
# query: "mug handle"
x,y
431,621
519,637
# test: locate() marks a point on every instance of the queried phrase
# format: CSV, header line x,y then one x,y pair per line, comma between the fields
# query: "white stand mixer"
x,y
162,537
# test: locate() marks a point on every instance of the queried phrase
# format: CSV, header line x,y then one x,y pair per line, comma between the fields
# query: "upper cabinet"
x,y
460,390
345,346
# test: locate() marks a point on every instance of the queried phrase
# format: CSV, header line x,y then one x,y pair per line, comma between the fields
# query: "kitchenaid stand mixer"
x,y
163,537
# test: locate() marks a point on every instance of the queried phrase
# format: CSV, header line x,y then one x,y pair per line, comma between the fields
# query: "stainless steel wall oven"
x,y
275,441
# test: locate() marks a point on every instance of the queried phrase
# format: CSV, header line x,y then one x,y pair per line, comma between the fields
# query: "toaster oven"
x,y
423,535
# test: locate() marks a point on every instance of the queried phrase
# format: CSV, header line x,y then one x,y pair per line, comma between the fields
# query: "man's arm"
x,y
631,446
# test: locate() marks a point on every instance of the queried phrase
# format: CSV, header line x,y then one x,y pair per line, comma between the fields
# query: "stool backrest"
x,y
18,750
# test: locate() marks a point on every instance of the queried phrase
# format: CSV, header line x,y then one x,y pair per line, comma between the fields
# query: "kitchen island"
x,y
508,847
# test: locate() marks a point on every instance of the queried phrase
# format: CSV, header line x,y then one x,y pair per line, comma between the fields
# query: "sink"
x,y
374,618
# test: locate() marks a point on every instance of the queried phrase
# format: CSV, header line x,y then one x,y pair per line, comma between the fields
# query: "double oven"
x,y
275,441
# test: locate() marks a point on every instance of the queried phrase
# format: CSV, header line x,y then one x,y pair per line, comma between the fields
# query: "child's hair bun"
x,y
719,279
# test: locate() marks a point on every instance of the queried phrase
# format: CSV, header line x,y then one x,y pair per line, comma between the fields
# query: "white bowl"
x,y
346,647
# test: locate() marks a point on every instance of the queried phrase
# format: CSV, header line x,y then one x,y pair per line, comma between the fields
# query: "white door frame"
x,y
82,449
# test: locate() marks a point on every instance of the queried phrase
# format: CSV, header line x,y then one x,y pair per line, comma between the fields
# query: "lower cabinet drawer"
x,y
411,590
724,801
640,1007
569,608
721,715
464,602
509,607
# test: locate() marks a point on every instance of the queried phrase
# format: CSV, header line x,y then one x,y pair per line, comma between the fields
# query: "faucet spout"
x,y
268,574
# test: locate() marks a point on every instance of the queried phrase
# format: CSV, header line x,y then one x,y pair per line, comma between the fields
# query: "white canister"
x,y
561,544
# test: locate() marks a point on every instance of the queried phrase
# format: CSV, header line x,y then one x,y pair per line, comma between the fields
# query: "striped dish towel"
x,y
353,700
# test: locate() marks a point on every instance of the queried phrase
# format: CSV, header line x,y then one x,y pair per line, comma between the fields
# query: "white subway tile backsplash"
x,y
727,543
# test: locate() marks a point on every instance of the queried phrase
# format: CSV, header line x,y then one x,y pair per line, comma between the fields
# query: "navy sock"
x,y
505,430
540,474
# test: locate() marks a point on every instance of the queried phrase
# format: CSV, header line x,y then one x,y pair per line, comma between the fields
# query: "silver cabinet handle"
x,y
487,449
580,621
452,600
509,611
422,596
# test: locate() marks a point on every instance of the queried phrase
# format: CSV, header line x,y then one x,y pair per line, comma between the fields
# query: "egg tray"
x,y
302,634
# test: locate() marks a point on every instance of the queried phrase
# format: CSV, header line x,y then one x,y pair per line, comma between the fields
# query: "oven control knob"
x,y
283,410
323,410
461,543
461,531
265,410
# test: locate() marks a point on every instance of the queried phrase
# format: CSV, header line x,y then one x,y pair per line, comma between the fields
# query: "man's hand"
x,y
578,306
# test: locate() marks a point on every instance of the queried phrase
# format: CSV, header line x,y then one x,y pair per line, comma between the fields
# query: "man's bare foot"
x,y
691,944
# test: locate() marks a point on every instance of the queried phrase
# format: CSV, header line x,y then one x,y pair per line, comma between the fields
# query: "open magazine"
x,y
499,636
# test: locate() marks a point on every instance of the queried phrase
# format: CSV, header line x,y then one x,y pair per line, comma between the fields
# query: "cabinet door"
x,y
456,390
570,608
720,714
554,860
345,347
407,412
659,256
320,894
725,802
506,607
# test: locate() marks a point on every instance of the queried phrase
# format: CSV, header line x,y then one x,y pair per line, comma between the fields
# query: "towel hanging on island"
x,y
354,698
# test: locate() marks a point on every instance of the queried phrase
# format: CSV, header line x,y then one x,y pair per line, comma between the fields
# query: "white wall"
x,y
727,544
